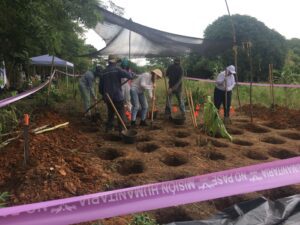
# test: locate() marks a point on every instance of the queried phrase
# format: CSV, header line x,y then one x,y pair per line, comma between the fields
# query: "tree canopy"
x,y
267,45
29,28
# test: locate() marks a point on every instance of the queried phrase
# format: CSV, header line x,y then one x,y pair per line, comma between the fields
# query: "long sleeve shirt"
x,y
175,75
143,82
88,80
110,82
221,81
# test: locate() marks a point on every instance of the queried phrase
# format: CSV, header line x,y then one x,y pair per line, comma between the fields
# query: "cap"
x,y
112,58
157,72
231,69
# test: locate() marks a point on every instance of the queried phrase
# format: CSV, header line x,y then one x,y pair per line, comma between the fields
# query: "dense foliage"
x,y
30,28
267,46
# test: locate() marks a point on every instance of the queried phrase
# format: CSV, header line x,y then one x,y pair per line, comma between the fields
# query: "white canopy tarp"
x,y
46,60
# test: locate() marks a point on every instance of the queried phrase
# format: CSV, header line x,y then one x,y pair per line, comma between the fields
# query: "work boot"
x,y
227,121
132,124
143,123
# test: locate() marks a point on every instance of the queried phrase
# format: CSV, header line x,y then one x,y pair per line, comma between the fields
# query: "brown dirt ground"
x,y
82,159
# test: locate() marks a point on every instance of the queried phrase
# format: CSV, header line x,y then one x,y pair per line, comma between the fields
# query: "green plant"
x,y
142,219
3,198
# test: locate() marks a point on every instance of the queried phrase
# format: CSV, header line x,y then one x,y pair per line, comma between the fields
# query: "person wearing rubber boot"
x,y
225,82
175,75
145,81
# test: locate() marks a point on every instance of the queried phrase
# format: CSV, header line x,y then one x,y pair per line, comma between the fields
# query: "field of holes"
x,y
82,159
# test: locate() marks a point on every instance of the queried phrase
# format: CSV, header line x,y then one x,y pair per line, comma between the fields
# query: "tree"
x,y
268,46
29,28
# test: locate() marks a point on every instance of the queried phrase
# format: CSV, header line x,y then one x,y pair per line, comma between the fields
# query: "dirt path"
x,y
81,159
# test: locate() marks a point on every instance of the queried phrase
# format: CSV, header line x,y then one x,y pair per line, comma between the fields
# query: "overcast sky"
x,y
191,17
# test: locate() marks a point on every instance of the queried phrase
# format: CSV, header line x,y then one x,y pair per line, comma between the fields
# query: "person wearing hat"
x,y
175,75
110,83
145,81
86,87
225,82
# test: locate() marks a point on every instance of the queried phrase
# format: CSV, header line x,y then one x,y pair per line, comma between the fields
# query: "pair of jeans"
x,y
137,100
119,105
178,95
85,94
219,98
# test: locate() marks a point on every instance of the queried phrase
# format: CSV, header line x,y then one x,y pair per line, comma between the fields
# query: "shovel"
x,y
128,136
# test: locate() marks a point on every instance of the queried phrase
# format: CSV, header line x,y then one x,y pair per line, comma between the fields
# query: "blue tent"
x,y
46,60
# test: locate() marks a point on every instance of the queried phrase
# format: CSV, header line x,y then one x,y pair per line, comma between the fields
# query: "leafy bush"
x,y
143,219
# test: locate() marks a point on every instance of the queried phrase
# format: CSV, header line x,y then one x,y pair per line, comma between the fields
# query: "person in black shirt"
x,y
175,75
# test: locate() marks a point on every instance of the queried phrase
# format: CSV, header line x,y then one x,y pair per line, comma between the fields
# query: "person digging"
x,y
143,82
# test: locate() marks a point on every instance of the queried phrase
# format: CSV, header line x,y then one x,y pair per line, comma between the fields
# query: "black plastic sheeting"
x,y
260,211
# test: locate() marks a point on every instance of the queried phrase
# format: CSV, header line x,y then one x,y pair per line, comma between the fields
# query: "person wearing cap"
x,y
145,81
86,87
110,84
225,82
175,75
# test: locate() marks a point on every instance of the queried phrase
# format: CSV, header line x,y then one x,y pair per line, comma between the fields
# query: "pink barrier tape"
x,y
7,101
68,74
248,84
154,196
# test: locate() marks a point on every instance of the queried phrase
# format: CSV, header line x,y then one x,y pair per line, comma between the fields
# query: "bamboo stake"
x,y
189,103
153,100
193,110
116,111
53,128
272,84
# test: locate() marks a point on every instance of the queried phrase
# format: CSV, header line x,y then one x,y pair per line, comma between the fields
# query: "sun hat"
x,y
231,69
157,72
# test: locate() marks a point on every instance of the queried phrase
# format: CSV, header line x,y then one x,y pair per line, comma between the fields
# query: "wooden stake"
x,y
116,111
189,103
193,110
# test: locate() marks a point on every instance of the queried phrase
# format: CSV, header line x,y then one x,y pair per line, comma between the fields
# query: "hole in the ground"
x,y
273,140
181,144
182,134
112,137
109,153
168,215
242,142
291,135
143,138
215,156
275,125
256,155
218,144
147,147
255,128
130,166
174,160
234,131
281,153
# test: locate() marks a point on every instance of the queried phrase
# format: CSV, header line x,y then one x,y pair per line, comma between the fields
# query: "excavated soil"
x,y
81,158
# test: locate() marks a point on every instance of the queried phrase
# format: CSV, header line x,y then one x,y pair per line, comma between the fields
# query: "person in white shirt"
x,y
145,81
225,82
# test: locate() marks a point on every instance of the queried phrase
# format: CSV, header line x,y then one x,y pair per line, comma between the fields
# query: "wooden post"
x,y
26,139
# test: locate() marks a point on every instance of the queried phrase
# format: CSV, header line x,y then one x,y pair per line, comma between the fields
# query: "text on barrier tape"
x,y
154,196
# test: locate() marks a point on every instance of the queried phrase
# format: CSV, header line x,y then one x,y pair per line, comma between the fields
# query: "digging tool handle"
x,y
153,100
116,111
92,106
